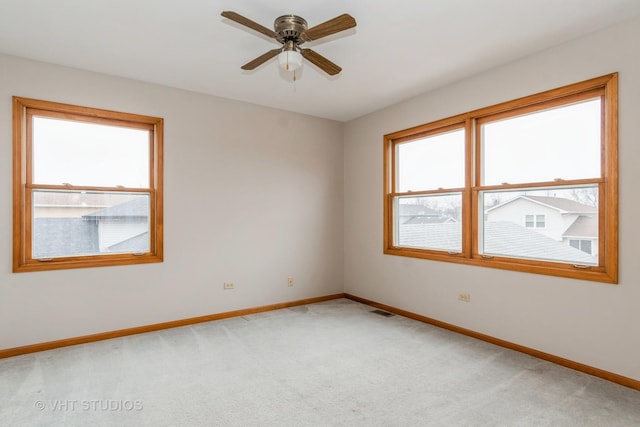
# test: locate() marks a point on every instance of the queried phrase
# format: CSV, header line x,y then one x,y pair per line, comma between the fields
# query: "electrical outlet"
x,y
464,297
229,285
290,281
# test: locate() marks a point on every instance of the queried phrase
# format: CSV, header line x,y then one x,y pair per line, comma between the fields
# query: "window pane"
x,y
570,214
528,222
543,146
429,222
72,223
433,162
89,154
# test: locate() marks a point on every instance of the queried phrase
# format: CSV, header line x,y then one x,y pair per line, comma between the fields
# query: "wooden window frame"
x,y
607,269
23,110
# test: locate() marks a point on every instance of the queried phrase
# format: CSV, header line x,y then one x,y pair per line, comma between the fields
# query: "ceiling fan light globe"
x,y
290,60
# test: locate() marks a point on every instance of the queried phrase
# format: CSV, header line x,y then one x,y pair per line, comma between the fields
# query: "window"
x,y
511,185
534,221
583,245
87,187
430,163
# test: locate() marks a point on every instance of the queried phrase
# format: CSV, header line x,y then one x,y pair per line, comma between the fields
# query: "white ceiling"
x,y
400,48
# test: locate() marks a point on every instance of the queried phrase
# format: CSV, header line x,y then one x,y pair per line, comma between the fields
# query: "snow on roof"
x,y
445,236
505,237
500,238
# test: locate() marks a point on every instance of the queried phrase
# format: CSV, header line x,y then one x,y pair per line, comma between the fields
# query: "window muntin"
x,y
87,187
498,167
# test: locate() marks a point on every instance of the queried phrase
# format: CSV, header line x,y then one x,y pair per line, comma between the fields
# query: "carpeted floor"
x,y
326,364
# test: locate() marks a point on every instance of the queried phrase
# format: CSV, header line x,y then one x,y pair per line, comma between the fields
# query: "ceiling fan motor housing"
x,y
289,28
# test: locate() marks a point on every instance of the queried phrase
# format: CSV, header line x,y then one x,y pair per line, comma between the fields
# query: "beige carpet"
x,y
326,364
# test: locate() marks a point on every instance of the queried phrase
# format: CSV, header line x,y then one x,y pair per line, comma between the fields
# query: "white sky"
x,y
557,143
87,154
431,163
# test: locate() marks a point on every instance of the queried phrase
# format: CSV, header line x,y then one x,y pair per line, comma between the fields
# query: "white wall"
x,y
592,323
247,202
252,195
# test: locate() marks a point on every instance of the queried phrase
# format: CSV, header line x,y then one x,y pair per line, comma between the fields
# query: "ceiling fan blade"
x,y
249,23
332,26
261,59
320,61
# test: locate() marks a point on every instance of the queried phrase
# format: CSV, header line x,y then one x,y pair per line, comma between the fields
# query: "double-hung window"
x,y
87,187
511,186
534,221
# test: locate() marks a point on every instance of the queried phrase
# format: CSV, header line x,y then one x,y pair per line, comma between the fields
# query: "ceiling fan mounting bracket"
x,y
290,28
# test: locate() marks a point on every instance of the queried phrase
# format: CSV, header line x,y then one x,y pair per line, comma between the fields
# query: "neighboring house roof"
x,y
58,236
584,226
410,209
137,207
420,214
75,198
64,236
559,203
134,244
505,237
501,237
565,205
445,236
428,220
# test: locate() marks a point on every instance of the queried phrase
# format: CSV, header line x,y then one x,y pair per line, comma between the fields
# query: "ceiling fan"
x,y
291,31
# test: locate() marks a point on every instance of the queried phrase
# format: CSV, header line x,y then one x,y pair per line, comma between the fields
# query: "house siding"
x,y
516,210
